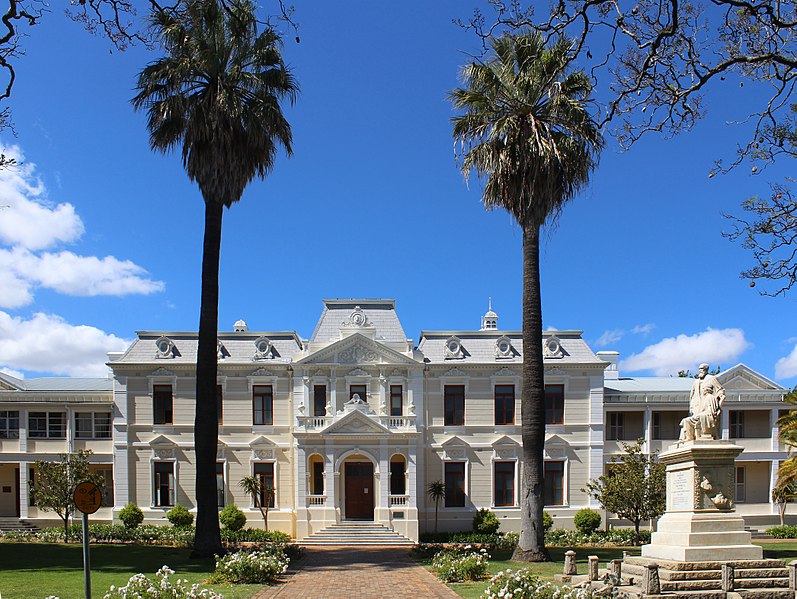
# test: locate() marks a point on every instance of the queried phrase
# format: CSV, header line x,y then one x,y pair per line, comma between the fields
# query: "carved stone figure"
x,y
705,403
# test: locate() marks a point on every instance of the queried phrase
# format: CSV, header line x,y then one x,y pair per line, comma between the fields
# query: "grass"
x,y
500,561
42,569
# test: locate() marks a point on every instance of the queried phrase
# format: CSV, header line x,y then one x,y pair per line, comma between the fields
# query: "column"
x,y
24,491
382,511
773,481
724,424
647,423
333,392
331,479
773,421
70,432
23,430
121,476
383,408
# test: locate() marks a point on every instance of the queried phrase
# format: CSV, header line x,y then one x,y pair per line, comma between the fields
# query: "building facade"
x,y
355,423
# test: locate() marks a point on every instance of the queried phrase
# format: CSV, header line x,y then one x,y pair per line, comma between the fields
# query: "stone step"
x,y
638,571
16,524
356,534
714,584
634,592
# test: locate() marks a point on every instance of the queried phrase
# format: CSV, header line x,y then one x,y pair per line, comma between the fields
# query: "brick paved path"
x,y
367,572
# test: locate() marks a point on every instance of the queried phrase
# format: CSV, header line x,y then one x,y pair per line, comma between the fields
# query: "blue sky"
x,y
103,237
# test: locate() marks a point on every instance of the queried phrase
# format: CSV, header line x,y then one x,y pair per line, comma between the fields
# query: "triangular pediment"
x,y
742,377
453,442
162,441
262,441
356,349
554,440
356,423
505,442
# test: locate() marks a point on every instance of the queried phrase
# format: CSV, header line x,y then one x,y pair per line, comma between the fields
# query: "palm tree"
x,y
262,495
216,94
786,488
526,128
436,491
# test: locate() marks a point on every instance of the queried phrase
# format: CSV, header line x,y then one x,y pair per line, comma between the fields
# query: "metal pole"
x,y
86,559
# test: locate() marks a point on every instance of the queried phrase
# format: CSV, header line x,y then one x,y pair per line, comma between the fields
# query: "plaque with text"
x,y
680,491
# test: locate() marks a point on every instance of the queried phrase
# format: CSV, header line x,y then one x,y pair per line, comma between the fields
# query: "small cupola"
x,y
490,319
240,327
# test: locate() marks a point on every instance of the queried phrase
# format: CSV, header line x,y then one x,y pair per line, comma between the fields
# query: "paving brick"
x,y
367,572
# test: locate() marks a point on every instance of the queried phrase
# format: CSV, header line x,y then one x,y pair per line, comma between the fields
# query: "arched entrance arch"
x,y
358,489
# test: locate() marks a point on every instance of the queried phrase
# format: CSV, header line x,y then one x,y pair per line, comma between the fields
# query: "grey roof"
x,y
479,347
239,348
649,384
381,314
60,384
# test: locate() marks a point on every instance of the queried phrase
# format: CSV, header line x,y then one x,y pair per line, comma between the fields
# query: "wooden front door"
x,y
359,491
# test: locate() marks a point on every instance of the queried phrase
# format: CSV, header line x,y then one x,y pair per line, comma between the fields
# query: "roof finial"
x,y
489,304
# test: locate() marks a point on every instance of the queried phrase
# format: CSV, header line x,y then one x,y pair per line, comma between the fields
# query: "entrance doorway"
x,y
359,490
9,490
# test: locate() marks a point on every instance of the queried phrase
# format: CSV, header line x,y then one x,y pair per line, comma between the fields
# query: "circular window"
x,y
262,346
503,347
453,347
163,347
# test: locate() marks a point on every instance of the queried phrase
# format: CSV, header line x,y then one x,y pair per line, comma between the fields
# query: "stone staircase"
x,y
753,579
16,525
356,534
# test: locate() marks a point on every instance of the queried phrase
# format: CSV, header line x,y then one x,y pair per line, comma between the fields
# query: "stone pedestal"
x,y
700,524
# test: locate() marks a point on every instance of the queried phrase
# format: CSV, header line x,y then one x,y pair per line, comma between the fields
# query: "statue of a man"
x,y
705,402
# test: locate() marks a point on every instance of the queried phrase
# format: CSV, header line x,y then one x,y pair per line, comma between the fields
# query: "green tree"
x,y
633,487
216,93
56,482
526,128
436,491
262,494
786,488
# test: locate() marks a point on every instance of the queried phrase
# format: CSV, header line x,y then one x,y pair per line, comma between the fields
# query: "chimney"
x,y
612,357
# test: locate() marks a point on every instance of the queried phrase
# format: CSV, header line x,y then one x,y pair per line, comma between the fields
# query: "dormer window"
x,y
503,347
263,348
553,347
165,348
221,351
453,348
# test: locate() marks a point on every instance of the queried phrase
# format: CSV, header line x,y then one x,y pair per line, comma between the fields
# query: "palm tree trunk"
x,y
531,544
207,541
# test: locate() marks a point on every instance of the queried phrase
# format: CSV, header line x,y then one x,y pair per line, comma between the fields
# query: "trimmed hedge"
x,y
783,532
556,537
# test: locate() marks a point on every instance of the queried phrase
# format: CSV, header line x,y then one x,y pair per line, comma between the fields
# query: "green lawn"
x,y
36,570
500,561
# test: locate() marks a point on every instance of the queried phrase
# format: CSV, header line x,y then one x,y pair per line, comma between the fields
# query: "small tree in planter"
x,y
436,491
252,485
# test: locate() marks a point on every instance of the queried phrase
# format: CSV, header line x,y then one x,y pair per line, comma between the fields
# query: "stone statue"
x,y
705,402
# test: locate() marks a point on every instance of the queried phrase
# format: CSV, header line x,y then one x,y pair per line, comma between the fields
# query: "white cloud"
x,y
11,372
668,356
643,329
47,343
786,367
27,218
609,337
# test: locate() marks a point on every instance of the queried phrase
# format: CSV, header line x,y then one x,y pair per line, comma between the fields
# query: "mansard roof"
x,y
380,314
479,347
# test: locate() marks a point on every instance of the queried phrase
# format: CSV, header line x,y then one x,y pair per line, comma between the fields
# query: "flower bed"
x,y
456,565
251,567
141,586
522,584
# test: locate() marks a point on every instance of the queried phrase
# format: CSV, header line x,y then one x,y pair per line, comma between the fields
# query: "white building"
x,y
355,422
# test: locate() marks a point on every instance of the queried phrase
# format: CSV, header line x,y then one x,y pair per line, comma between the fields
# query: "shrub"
x,y
253,535
522,584
141,586
572,538
547,522
783,532
587,521
180,516
232,518
131,516
455,565
485,522
250,567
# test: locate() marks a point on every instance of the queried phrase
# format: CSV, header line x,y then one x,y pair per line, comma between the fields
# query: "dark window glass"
x,y
657,426
318,478
454,400
219,404
263,404
163,401
220,495
397,478
264,471
47,425
92,425
554,475
554,404
396,394
505,404
455,484
504,483
164,483
320,400
360,390
616,426
9,425
741,487
736,420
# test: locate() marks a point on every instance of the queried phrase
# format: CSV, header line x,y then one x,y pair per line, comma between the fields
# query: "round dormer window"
x,y
553,348
503,346
262,346
453,346
165,347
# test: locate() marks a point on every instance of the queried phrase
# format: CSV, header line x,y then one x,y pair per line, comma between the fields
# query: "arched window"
x,y
398,484
316,475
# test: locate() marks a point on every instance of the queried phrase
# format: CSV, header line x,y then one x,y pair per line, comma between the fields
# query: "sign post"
x,y
88,499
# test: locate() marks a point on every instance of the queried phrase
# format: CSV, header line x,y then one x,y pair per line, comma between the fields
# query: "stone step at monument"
x,y
770,571
778,593
715,584
354,534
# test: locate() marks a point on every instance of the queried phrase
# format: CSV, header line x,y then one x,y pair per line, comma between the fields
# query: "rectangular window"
x,y
92,425
318,478
264,471
107,478
361,390
320,400
162,404
554,476
396,396
455,484
263,404
504,489
736,420
741,491
397,479
505,404
657,426
554,404
219,404
220,484
454,400
164,484
9,425
47,425
616,426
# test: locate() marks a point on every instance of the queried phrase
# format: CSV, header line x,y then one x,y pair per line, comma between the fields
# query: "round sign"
x,y
88,497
